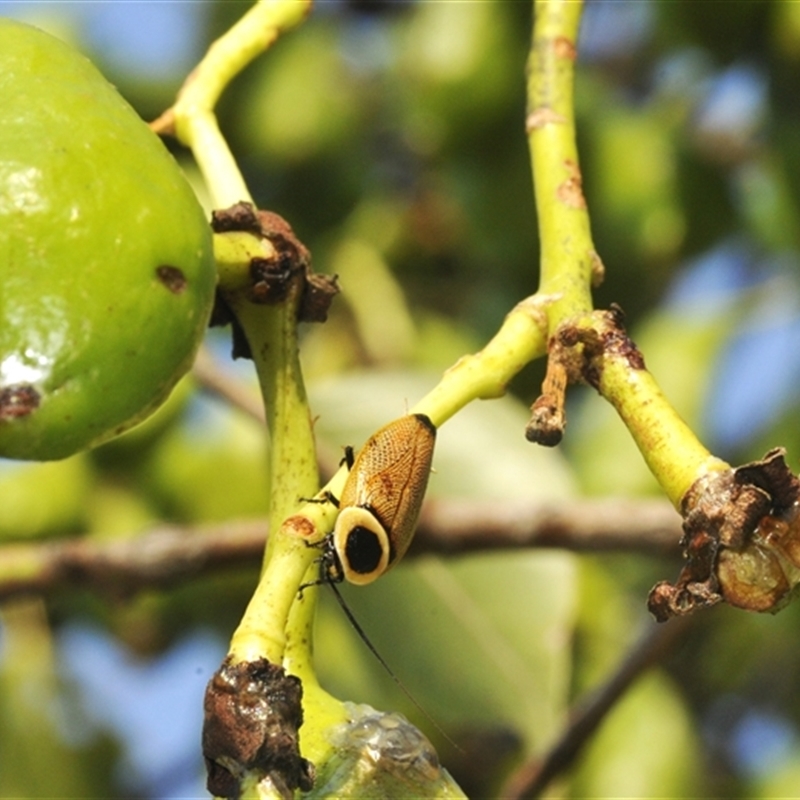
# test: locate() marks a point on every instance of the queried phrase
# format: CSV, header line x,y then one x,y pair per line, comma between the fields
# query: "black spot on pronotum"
x,y
172,277
18,400
363,550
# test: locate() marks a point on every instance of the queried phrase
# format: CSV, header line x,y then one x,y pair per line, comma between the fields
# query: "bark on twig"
x,y
160,557
218,382
650,526
166,555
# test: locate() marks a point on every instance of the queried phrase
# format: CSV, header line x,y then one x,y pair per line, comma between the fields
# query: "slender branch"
x,y
648,526
166,555
674,454
587,345
485,375
568,259
160,557
192,117
271,332
654,645
220,383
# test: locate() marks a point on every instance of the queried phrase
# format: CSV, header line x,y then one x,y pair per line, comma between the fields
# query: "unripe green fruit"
x,y
106,267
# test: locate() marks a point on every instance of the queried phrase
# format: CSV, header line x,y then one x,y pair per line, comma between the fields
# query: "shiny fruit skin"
x,y
106,266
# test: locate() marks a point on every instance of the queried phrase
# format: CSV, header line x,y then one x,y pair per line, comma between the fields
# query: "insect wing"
x,y
390,476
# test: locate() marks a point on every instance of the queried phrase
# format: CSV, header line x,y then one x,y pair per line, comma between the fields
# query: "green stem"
x,y
568,257
271,331
254,33
325,710
569,262
192,116
611,362
219,169
672,451
484,375
261,632
272,334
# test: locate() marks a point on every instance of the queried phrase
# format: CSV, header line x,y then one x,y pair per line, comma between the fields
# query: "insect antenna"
x,y
364,638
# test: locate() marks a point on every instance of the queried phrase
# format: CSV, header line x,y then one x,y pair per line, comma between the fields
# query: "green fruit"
x,y
106,267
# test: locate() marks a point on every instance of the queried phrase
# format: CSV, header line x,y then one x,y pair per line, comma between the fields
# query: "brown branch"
x,y
220,383
168,554
532,778
160,557
650,526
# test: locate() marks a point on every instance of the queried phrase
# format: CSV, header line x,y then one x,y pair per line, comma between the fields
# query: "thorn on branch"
x,y
572,357
548,416
164,125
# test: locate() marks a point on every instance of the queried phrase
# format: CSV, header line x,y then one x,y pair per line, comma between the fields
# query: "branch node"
x,y
273,278
741,541
253,713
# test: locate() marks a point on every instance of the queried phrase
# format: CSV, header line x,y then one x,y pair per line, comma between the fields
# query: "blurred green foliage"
x,y
391,136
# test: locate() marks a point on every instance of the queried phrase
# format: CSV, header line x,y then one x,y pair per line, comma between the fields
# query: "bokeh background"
x,y
391,136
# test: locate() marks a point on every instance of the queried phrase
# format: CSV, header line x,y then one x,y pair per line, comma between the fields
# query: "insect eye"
x,y
363,550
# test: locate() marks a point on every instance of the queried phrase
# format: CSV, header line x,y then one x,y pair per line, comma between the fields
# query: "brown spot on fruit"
x,y
172,277
18,400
